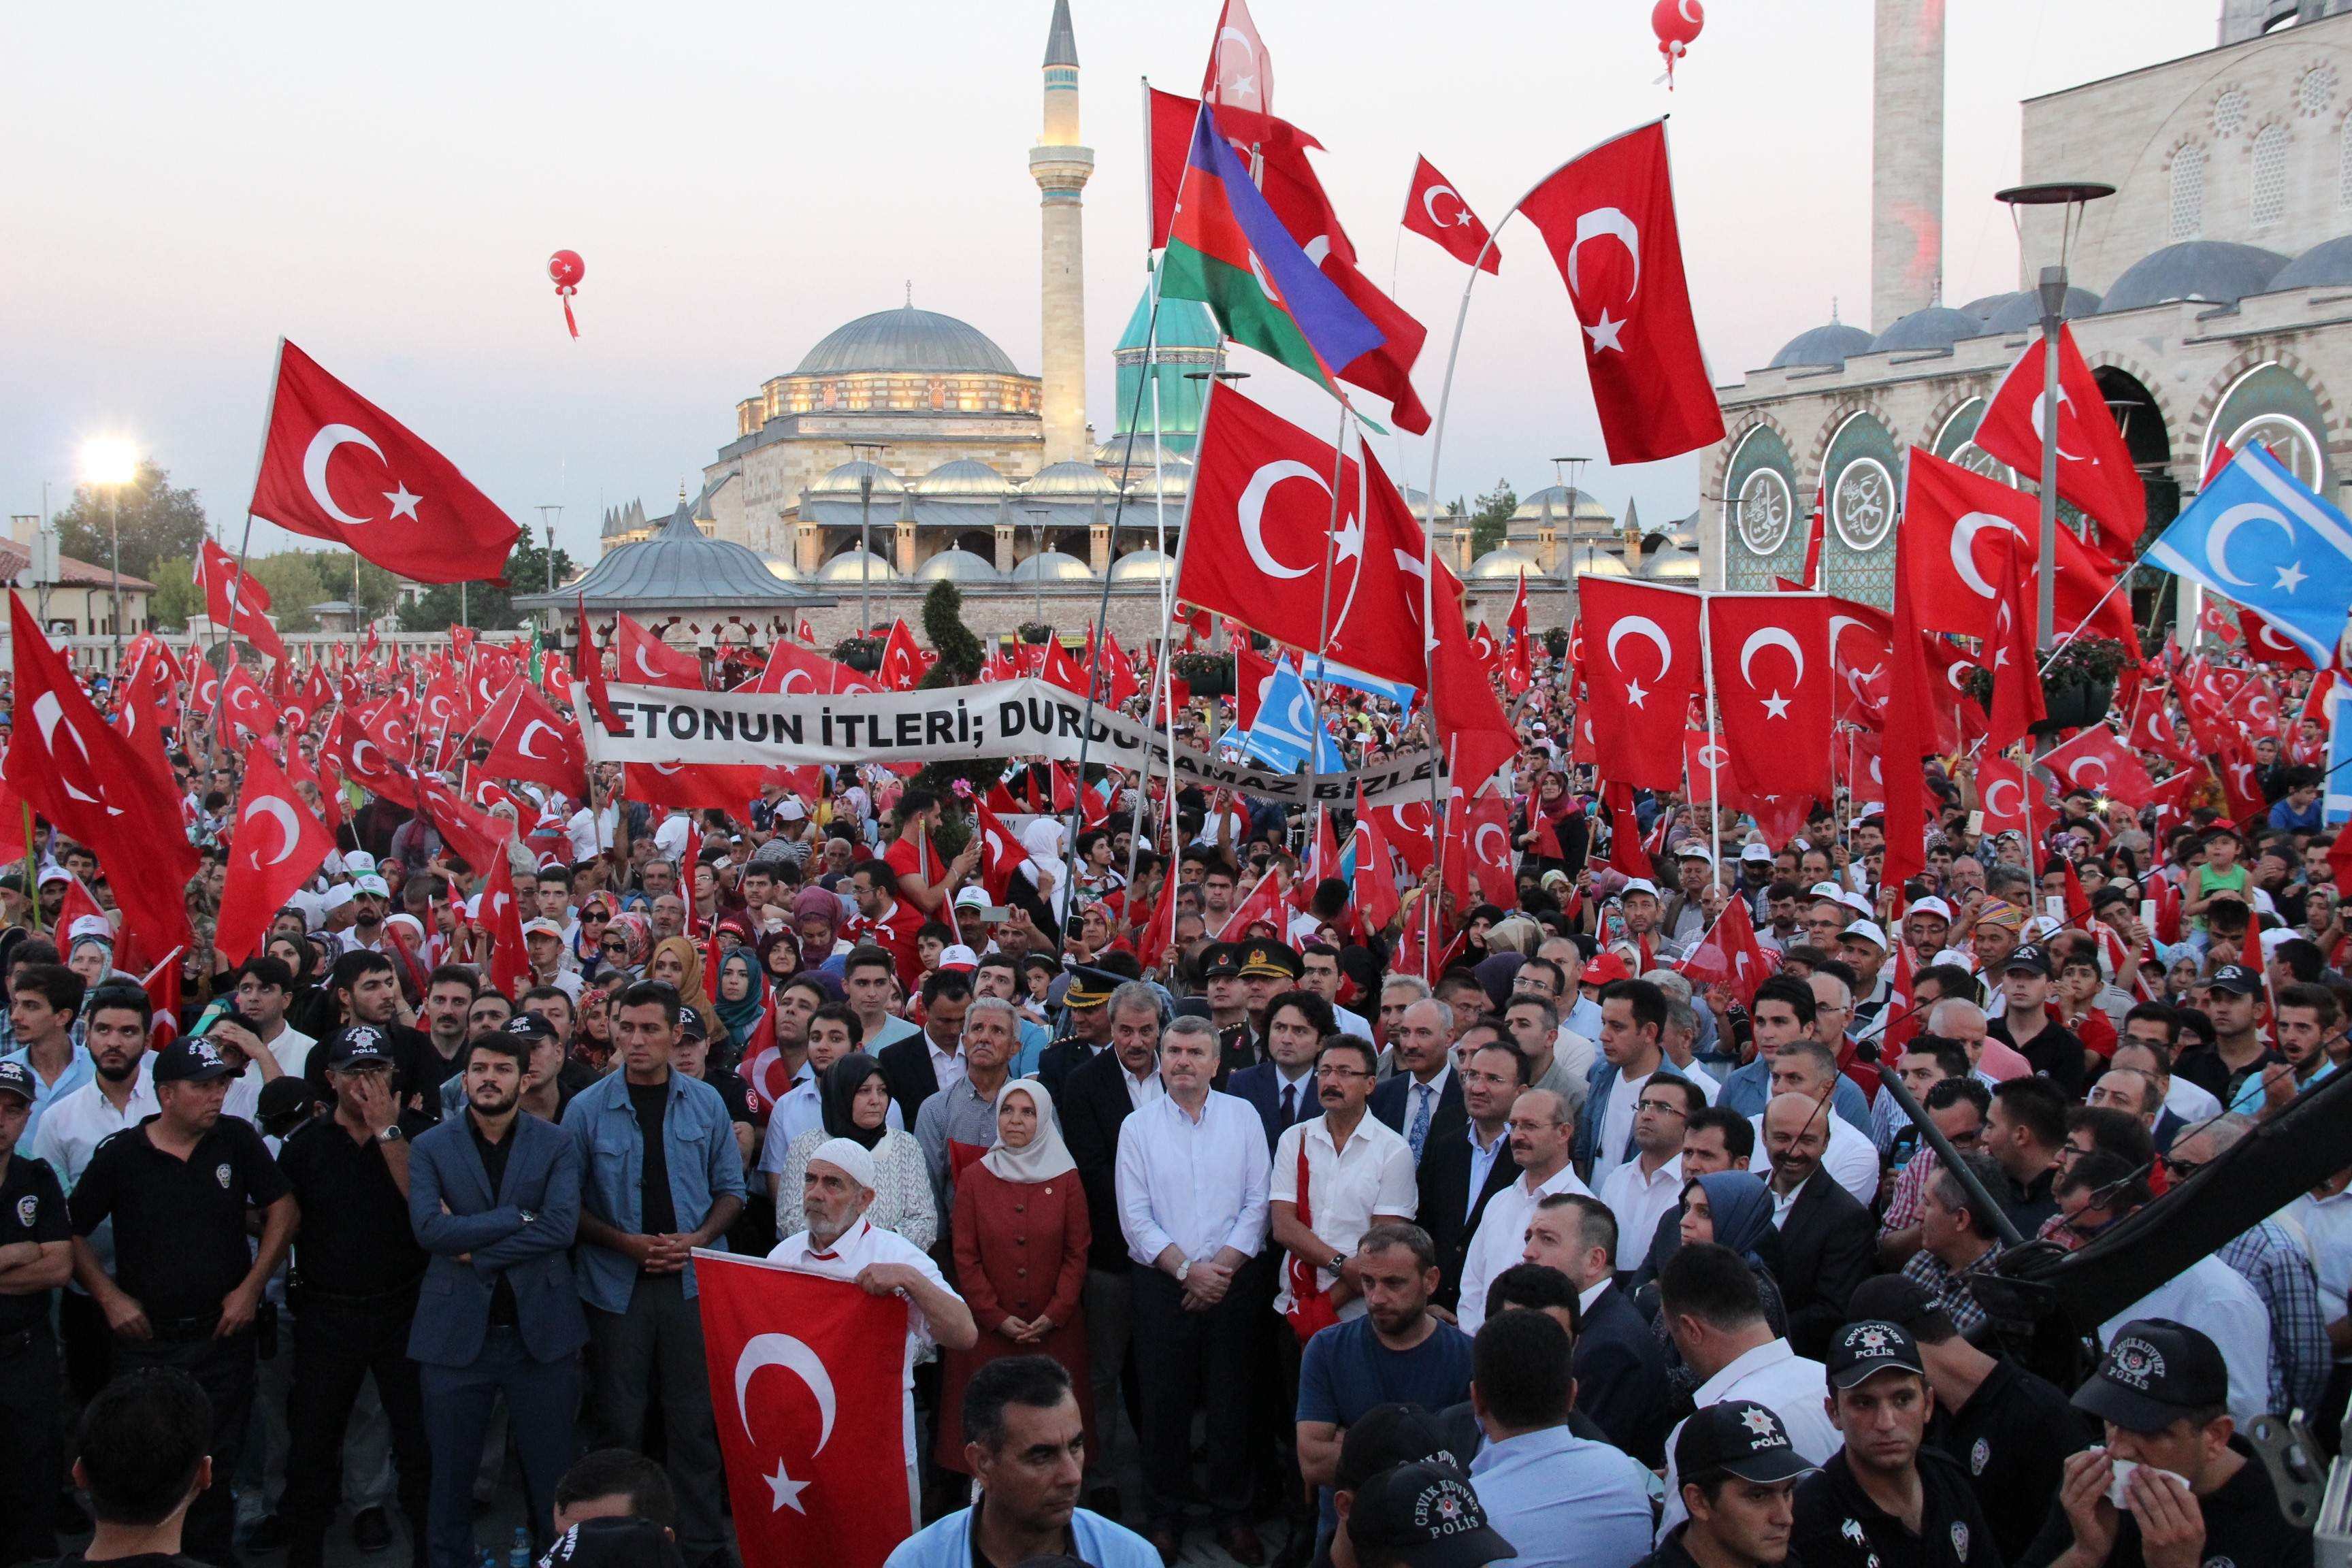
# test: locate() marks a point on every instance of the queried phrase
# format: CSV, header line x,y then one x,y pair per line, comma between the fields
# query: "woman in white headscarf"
x,y
1042,883
1021,1233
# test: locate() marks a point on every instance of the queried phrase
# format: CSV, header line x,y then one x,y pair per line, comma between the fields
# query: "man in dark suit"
x,y
1282,1087
1096,1098
1468,1159
911,1066
1828,1240
1621,1373
1425,1086
1085,1028
494,1195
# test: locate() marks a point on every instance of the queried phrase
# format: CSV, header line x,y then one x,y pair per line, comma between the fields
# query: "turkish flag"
x,y
791,667
223,581
1641,669
501,916
1478,846
1260,532
2093,760
1252,675
1774,690
1474,733
1407,825
1706,764
444,706
1729,956
336,466
2095,465
1000,854
1376,882
150,692
2214,620
475,837
204,686
97,787
645,659
1946,511
245,705
1519,668
2001,791
489,672
1625,852
2264,646
366,761
903,663
2017,703
1609,219
528,739
2256,710
2152,728
813,1455
1063,671
1862,651
1435,210
693,786
1261,902
276,848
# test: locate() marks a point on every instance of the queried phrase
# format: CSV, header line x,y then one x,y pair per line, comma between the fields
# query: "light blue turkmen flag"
x,y
2258,537
1285,734
1400,692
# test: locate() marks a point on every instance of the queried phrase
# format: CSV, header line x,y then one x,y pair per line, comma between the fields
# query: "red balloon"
x,y
566,268
1677,23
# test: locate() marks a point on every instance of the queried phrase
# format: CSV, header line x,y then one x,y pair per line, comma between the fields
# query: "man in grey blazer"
x,y
494,1195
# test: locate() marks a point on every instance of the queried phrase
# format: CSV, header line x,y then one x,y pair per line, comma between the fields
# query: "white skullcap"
x,y
850,1158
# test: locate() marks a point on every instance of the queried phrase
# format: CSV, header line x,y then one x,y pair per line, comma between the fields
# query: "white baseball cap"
x,y
790,810
542,927
1638,885
358,862
1931,905
1867,931
1756,852
1826,890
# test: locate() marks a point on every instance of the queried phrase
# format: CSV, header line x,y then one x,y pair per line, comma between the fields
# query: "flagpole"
x,y
1160,537
1323,626
1714,768
2123,577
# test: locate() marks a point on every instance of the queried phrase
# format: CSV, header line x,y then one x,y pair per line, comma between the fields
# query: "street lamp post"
x,y
1575,467
548,514
865,452
2071,196
1037,561
112,463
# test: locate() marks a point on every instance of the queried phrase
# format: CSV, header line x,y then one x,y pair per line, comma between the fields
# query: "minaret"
x,y
1061,168
1906,161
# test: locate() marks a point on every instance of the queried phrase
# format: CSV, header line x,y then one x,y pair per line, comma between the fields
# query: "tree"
x,y
1490,526
176,598
295,580
488,605
960,658
159,523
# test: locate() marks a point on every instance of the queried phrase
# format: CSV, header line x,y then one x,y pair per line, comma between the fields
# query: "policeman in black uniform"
x,y
357,1267
186,1286
1888,1499
35,1258
1739,1474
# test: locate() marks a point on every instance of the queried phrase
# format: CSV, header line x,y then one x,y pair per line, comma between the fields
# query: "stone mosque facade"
x,y
2211,295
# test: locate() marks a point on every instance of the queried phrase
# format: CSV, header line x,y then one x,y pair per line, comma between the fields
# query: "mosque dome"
x,y
781,568
958,567
842,482
1828,346
906,338
2021,311
2327,264
1670,565
679,564
964,477
1983,307
1930,327
1602,564
1507,565
845,568
1071,478
1052,566
1557,503
2217,271
1140,566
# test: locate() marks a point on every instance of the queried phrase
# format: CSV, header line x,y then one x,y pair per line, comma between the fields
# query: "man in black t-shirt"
x,y
141,1456
35,1258
2027,1026
1887,1499
2173,1486
353,1291
366,990
186,1285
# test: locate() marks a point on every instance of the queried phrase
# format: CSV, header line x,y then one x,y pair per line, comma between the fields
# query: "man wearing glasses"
x,y
1644,1187
1336,1176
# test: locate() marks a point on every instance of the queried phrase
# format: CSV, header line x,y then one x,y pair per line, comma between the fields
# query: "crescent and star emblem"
x,y
49,713
1460,210
280,810
522,741
2065,407
1991,798
1479,845
1775,705
1241,84
1964,548
2083,769
322,450
2217,544
1251,512
1609,223
784,1351
1644,627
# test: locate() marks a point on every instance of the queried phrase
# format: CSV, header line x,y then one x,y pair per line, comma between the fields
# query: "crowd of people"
x,y
1220,1205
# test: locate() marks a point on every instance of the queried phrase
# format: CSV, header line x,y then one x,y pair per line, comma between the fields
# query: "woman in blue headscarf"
x,y
1732,1209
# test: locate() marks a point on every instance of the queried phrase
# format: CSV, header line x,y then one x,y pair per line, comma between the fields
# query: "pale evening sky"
x,y
383,187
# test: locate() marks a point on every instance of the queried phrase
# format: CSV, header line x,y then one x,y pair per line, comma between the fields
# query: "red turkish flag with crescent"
x,y
273,850
1729,956
1407,825
501,916
2001,789
1435,210
1261,529
245,705
336,466
1376,884
807,1386
687,786
528,739
1609,219
1641,665
1478,847
645,659
1774,690
475,837
366,763
903,663
1953,572
794,668
98,787
2153,730
2095,760
2095,467
2264,646
219,575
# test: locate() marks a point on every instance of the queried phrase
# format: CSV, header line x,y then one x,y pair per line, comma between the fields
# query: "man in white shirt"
x,y
264,988
1632,1022
1193,1179
1358,1174
1320,975
1640,1191
840,1244
1541,1137
1807,1068
1709,1298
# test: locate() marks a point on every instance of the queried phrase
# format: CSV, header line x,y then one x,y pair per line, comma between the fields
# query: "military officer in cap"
x,y
186,1286
1269,969
1221,988
35,1258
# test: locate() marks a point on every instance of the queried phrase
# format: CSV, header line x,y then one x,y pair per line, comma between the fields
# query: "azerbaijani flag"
x,y
1227,249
